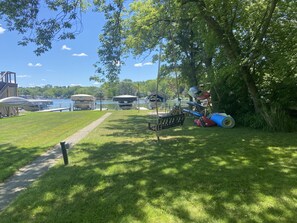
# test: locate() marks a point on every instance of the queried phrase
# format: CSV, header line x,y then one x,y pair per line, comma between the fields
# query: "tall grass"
x,y
280,119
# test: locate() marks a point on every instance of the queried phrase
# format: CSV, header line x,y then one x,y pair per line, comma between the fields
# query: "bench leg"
x,y
157,134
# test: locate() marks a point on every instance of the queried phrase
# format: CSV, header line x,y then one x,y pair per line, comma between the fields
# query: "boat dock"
x,y
56,110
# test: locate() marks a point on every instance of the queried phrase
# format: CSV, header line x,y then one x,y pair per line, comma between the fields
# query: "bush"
x,y
281,120
251,120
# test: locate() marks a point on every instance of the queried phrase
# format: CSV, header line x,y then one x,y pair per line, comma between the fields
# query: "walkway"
x,y
28,174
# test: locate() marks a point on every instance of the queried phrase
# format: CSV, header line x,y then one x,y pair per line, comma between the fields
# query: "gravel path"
x,y
29,173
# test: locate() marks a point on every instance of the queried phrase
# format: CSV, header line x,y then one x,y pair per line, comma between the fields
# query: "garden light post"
x,y
64,152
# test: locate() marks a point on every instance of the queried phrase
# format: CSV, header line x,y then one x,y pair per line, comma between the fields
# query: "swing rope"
x,y
171,120
158,79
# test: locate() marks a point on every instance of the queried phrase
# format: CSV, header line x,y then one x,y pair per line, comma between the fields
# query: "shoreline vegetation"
x,y
120,173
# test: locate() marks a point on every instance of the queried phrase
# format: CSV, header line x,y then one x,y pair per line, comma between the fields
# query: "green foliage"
x,y
49,91
166,23
251,120
25,18
167,86
127,87
283,122
257,47
110,50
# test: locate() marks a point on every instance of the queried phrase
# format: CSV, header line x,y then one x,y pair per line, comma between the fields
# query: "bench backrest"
x,y
165,122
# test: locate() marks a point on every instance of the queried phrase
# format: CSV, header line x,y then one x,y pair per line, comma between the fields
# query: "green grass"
x,y
120,173
25,137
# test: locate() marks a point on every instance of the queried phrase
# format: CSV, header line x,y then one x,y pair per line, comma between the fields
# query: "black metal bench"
x,y
165,122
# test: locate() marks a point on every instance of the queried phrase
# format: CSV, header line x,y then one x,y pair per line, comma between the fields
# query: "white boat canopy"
x,y
82,97
129,98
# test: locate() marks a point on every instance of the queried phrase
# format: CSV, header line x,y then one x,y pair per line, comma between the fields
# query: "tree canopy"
x,y
26,17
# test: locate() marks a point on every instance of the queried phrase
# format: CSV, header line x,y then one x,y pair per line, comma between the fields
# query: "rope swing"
x,y
175,117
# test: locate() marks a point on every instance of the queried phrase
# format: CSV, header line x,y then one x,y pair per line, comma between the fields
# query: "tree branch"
x,y
226,38
265,23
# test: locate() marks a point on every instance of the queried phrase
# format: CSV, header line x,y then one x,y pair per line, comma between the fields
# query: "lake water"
x,y
106,104
109,104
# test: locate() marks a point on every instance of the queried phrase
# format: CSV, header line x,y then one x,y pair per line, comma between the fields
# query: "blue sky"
x,y
69,62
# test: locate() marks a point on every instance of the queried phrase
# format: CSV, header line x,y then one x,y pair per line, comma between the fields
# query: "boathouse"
x,y
8,88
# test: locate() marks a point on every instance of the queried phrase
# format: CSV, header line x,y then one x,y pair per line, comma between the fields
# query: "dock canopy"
x,y
14,101
82,97
125,102
155,97
83,102
125,98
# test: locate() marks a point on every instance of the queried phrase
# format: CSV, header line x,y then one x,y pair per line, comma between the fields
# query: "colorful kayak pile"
x,y
220,119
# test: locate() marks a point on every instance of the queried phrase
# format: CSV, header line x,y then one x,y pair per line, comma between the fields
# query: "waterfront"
x,y
106,104
110,105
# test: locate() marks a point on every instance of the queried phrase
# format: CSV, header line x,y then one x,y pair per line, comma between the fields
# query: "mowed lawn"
x,y
25,137
120,173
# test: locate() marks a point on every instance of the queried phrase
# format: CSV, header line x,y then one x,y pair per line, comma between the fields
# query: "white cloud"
x,y
35,65
143,64
2,30
138,65
79,55
23,76
64,47
148,64
75,85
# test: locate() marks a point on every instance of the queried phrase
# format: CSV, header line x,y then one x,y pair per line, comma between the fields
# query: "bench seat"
x,y
165,122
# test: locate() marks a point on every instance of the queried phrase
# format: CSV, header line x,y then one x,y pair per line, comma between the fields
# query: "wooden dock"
x,y
55,110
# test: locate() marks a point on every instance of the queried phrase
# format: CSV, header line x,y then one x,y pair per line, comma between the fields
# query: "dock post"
x,y
64,152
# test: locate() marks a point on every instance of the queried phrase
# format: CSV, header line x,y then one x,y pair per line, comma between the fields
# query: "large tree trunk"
x,y
252,88
259,106
234,51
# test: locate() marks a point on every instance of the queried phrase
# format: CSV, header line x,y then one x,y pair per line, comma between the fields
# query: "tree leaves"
x,y
110,49
25,17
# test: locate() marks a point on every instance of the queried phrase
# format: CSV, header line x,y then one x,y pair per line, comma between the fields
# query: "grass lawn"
x,y
25,137
120,173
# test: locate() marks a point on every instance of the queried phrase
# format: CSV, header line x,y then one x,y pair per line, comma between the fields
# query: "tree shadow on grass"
x,y
12,158
191,175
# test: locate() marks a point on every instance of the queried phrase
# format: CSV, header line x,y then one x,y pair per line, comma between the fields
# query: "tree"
x,y
110,50
25,17
244,39
127,87
155,23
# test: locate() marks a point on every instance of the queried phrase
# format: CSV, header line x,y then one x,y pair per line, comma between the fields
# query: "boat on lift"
x,y
125,102
155,100
83,102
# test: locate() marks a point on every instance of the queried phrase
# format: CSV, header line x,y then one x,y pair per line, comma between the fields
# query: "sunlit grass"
x,y
25,137
120,173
